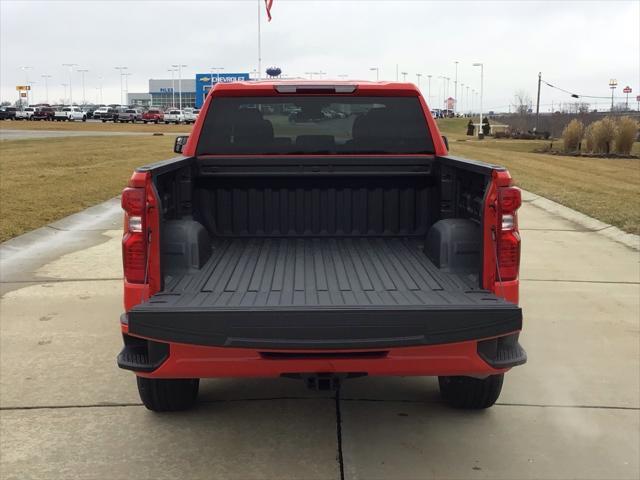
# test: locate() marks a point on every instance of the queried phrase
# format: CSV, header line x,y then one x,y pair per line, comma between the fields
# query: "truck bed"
x,y
333,293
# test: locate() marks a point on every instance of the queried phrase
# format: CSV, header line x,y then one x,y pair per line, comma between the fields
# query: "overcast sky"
x,y
577,45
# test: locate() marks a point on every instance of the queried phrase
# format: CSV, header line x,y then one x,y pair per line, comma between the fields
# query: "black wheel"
x,y
156,122
145,122
471,393
84,119
104,121
168,395
166,123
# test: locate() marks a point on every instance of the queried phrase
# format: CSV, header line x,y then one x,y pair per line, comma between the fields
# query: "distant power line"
x,y
577,95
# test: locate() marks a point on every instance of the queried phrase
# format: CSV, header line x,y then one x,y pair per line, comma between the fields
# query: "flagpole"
x,y
259,42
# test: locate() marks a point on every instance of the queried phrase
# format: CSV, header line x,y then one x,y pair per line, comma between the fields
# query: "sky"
x,y
577,45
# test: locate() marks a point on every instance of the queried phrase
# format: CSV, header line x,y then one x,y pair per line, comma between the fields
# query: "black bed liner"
x,y
321,293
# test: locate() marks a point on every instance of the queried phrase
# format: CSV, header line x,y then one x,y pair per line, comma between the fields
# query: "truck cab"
x,y
319,231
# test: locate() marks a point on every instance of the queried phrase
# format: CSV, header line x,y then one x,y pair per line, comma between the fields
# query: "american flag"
x,y
268,4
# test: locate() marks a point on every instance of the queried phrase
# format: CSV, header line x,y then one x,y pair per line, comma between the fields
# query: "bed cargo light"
x,y
510,199
134,241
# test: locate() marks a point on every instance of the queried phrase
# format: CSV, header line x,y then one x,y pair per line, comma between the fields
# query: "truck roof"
x,y
360,87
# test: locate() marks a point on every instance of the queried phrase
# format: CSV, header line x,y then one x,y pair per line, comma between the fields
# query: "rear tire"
x,y
471,393
168,395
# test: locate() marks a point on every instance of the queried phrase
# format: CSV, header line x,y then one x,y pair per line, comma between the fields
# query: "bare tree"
x,y
523,103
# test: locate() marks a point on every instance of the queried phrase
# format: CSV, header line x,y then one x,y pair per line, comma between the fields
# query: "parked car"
x,y
154,115
174,116
89,110
189,115
106,114
26,113
43,113
270,249
70,114
129,115
8,113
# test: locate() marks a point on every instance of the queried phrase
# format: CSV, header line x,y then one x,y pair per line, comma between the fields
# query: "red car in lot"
x,y
320,247
154,115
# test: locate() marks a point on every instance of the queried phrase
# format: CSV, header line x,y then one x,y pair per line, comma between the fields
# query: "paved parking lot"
x,y
67,412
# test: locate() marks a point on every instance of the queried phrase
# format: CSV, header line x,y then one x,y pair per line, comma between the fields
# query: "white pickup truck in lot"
x,y
174,116
70,114
25,114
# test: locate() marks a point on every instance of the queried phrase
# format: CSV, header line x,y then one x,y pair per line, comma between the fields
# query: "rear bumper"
x,y
175,360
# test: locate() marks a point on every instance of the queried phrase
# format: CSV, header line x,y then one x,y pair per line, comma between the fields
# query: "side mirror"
x,y
181,141
446,142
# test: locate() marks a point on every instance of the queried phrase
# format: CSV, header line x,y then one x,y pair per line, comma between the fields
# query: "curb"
x,y
588,223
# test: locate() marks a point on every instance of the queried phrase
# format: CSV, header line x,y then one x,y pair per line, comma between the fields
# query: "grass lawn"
x,y
93,126
607,189
44,180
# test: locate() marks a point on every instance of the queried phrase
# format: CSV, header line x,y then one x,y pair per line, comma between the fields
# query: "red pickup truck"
x,y
319,231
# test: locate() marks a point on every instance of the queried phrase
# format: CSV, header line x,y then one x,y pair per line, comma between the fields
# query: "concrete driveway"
x,y
67,412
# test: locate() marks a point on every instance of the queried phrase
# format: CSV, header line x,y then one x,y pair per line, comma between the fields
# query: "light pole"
x,y
126,87
31,83
613,83
26,69
481,65
70,65
446,101
429,77
46,86
179,67
173,87
343,76
442,91
311,74
468,98
65,85
418,75
121,69
377,70
473,97
455,91
461,97
215,69
404,76
100,79
82,72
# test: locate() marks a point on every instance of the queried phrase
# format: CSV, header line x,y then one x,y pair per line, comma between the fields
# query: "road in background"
x,y
67,411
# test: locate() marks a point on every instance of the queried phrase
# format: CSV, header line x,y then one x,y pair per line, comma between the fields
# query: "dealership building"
x,y
165,93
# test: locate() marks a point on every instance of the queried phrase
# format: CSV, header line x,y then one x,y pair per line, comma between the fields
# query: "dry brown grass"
x,y
605,188
93,126
572,135
626,135
603,133
44,180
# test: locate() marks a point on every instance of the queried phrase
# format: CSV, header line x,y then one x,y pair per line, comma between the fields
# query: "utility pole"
x,y
65,85
46,86
461,97
377,69
613,83
418,75
429,77
84,98
468,98
70,65
538,101
455,91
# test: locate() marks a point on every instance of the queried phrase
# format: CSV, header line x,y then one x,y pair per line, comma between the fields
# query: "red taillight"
x,y
134,242
508,239
133,200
